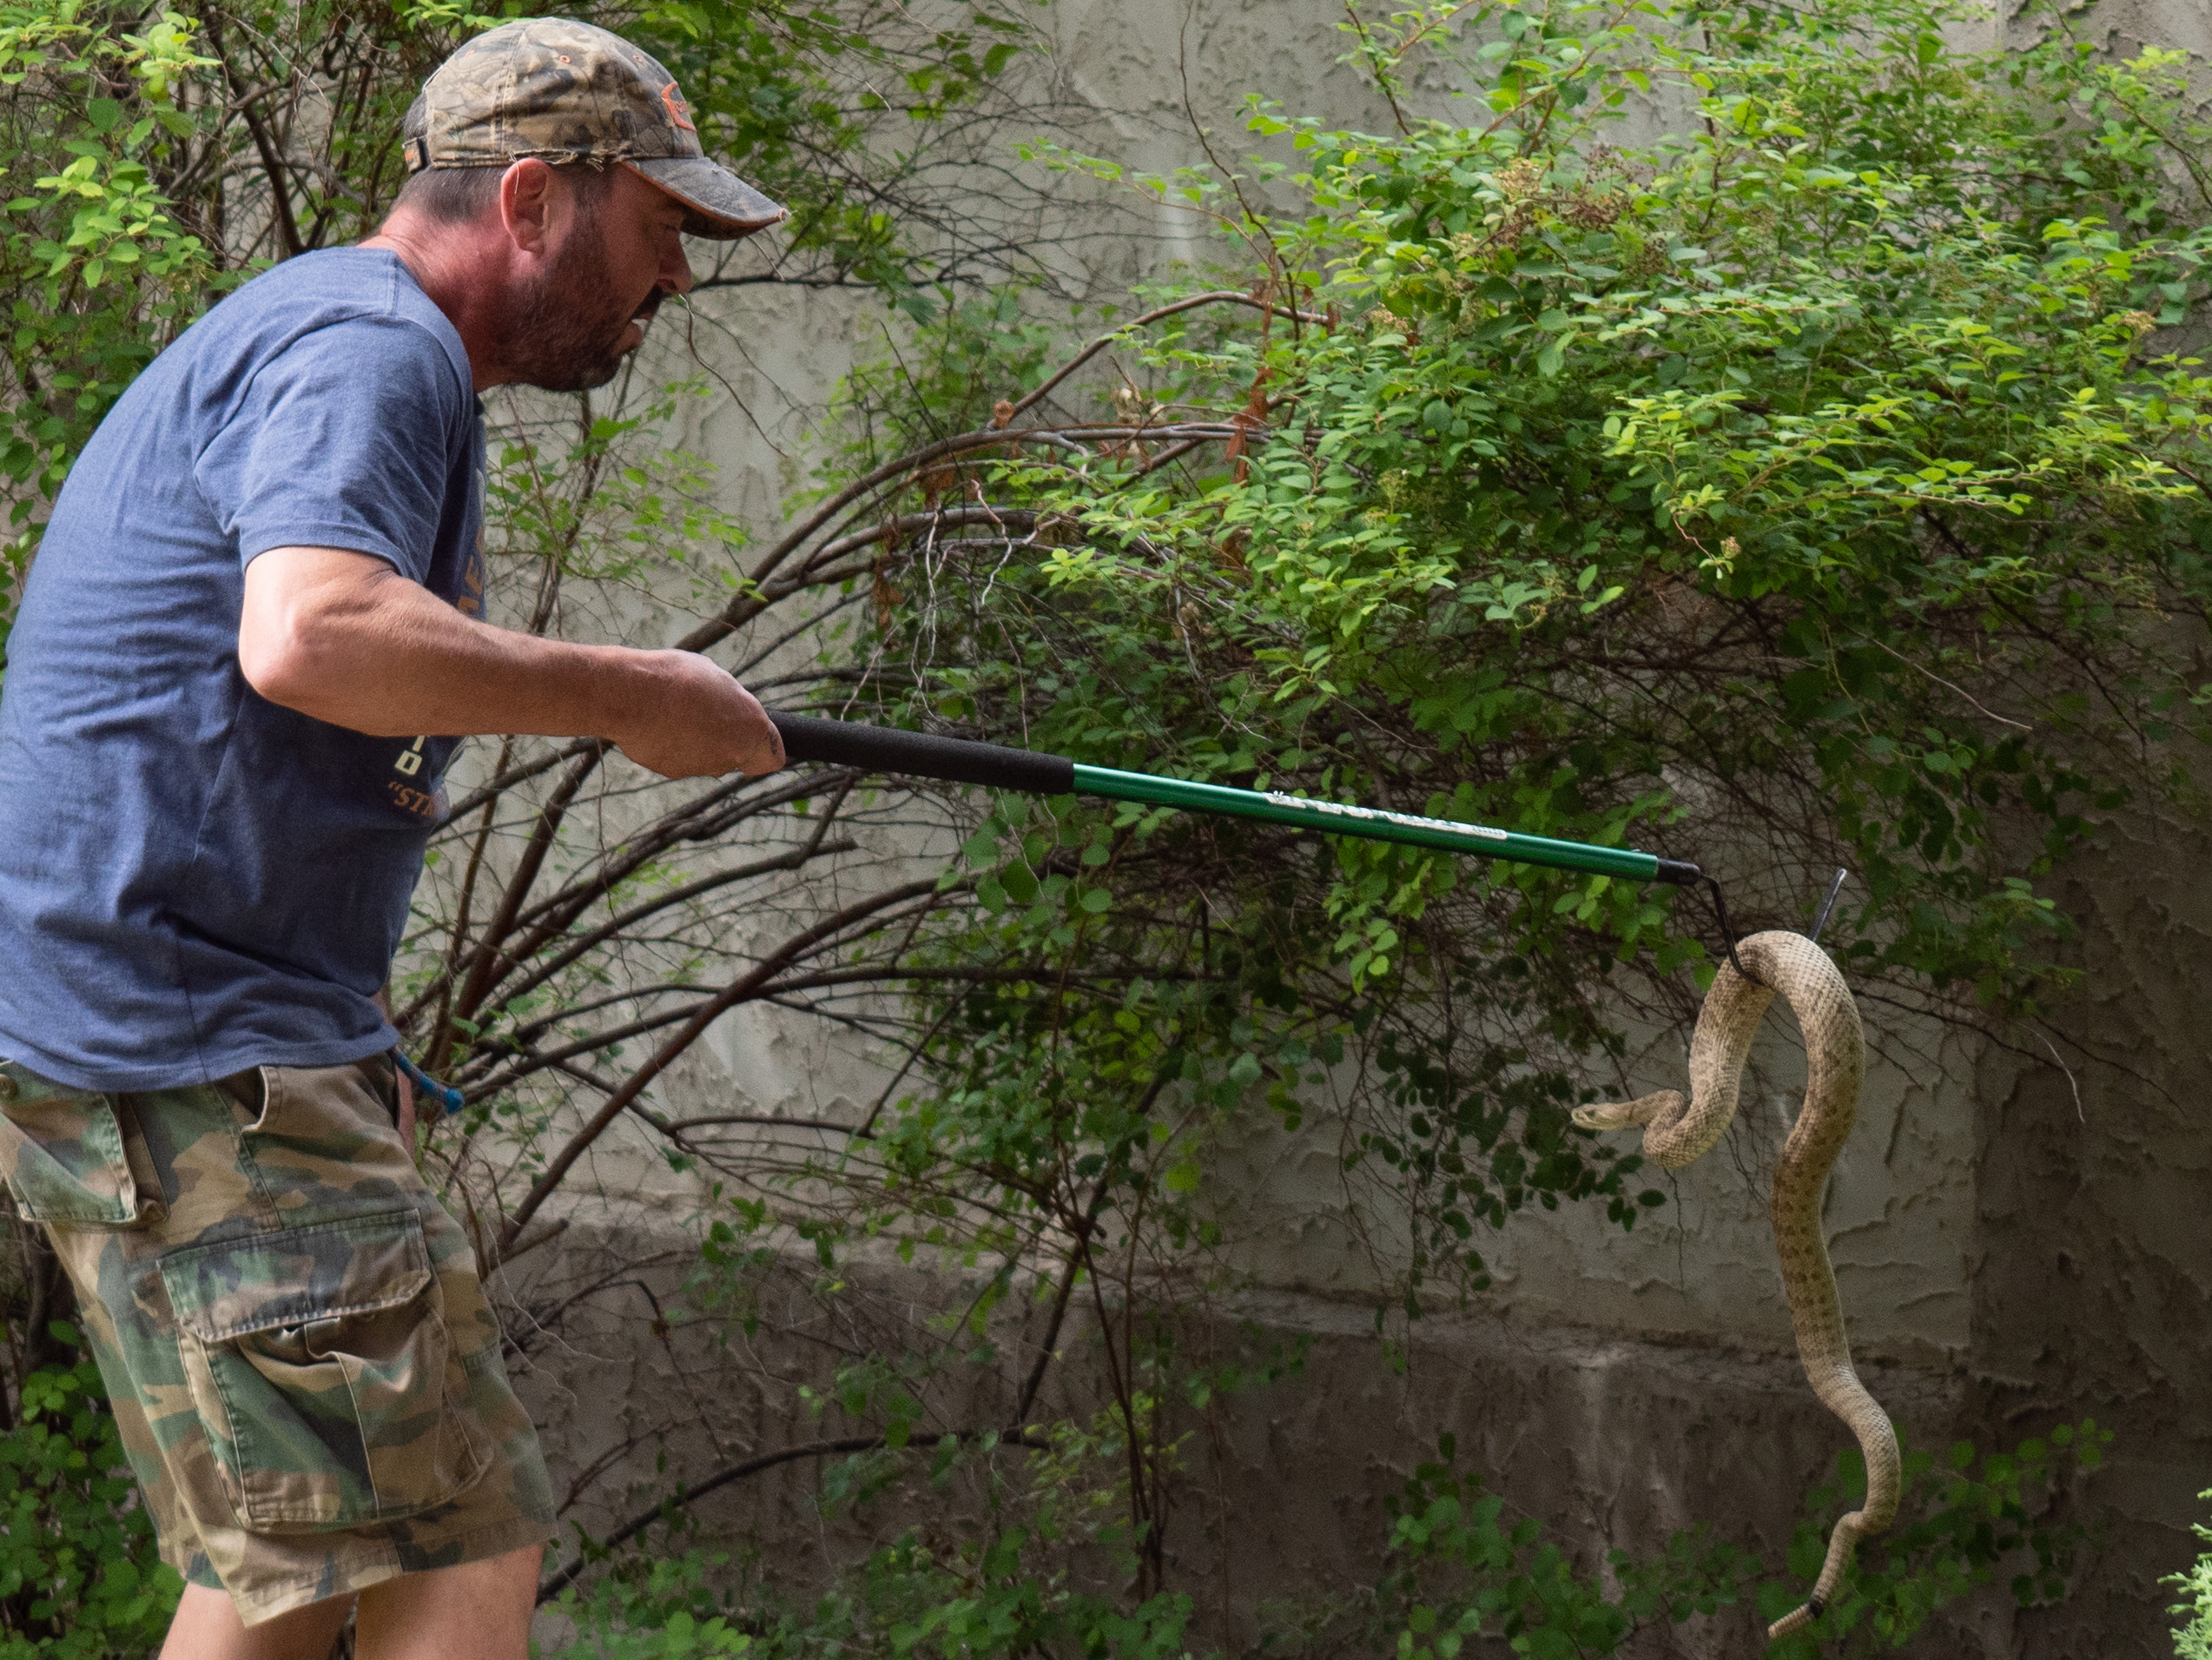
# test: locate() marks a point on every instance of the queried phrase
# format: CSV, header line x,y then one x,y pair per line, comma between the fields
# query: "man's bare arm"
x,y
346,639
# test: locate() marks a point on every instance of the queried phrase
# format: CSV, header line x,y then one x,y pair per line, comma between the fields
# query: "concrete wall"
x,y
2093,1217
2014,1249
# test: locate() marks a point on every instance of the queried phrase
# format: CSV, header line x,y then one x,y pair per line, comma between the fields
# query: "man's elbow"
x,y
304,629
277,660
311,659
319,670
297,655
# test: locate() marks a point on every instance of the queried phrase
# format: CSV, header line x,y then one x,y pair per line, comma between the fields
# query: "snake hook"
x,y
1729,934
1828,903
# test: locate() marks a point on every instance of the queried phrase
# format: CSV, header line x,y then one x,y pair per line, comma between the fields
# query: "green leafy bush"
x,y
1816,486
1460,1570
2193,1641
1960,1524
657,1609
78,1576
984,1598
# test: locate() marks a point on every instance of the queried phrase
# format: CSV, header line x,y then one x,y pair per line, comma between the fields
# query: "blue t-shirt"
x,y
194,880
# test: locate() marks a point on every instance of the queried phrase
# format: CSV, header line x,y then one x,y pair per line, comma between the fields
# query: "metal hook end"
x,y
1828,904
1685,875
1729,934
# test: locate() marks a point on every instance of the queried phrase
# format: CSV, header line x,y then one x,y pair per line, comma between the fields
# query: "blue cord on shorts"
x,y
448,1099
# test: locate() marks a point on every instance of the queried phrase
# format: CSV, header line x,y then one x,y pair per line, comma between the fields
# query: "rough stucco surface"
x,y
1608,1439
2010,1256
2093,1225
1899,1214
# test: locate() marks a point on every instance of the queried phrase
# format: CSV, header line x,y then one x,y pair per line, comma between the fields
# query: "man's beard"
x,y
564,335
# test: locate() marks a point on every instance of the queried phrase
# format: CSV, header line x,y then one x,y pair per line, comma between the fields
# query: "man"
x,y
257,595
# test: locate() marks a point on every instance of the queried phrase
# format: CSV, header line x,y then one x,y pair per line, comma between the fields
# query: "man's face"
x,y
615,254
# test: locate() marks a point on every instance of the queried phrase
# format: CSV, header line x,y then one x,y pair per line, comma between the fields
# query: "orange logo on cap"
x,y
678,111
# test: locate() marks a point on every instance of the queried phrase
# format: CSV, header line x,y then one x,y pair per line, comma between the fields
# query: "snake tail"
x,y
1796,1620
1843,1545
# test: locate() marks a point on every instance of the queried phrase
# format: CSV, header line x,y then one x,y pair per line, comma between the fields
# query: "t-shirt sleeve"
x,y
342,439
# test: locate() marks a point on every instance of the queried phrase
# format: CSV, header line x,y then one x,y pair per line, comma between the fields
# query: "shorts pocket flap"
x,y
62,1154
235,1287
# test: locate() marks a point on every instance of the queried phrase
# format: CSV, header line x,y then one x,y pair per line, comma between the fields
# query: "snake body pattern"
x,y
1677,1131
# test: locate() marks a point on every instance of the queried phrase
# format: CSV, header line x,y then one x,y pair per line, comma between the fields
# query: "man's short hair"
x,y
455,195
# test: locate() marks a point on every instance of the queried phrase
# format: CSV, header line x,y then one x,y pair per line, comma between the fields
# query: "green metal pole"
x,y
1335,819
884,749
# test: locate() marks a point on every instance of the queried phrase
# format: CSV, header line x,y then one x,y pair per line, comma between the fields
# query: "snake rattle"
x,y
1677,1131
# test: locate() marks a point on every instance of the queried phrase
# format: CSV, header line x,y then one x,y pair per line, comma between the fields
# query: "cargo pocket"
x,y
319,1364
62,1151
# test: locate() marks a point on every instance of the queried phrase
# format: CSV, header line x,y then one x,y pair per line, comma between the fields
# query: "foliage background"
x,y
1815,484
2193,1638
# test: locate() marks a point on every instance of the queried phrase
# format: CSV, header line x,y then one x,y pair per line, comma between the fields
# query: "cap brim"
x,y
723,207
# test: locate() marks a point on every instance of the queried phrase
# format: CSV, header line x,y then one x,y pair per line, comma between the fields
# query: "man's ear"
x,y
526,203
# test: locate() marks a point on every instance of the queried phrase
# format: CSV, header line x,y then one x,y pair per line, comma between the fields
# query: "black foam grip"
x,y
1676,872
919,755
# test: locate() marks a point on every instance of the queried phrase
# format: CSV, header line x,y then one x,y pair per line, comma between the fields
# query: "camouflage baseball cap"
x,y
567,91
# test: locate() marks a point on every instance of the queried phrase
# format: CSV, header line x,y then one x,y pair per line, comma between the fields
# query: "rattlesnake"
x,y
1678,1131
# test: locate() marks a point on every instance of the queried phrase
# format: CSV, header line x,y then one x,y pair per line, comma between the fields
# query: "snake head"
x,y
1626,1116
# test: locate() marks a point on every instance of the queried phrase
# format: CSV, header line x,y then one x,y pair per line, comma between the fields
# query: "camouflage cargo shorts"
x,y
305,1374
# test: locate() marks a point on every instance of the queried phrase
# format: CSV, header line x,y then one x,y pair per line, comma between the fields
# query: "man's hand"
x,y
345,637
706,725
